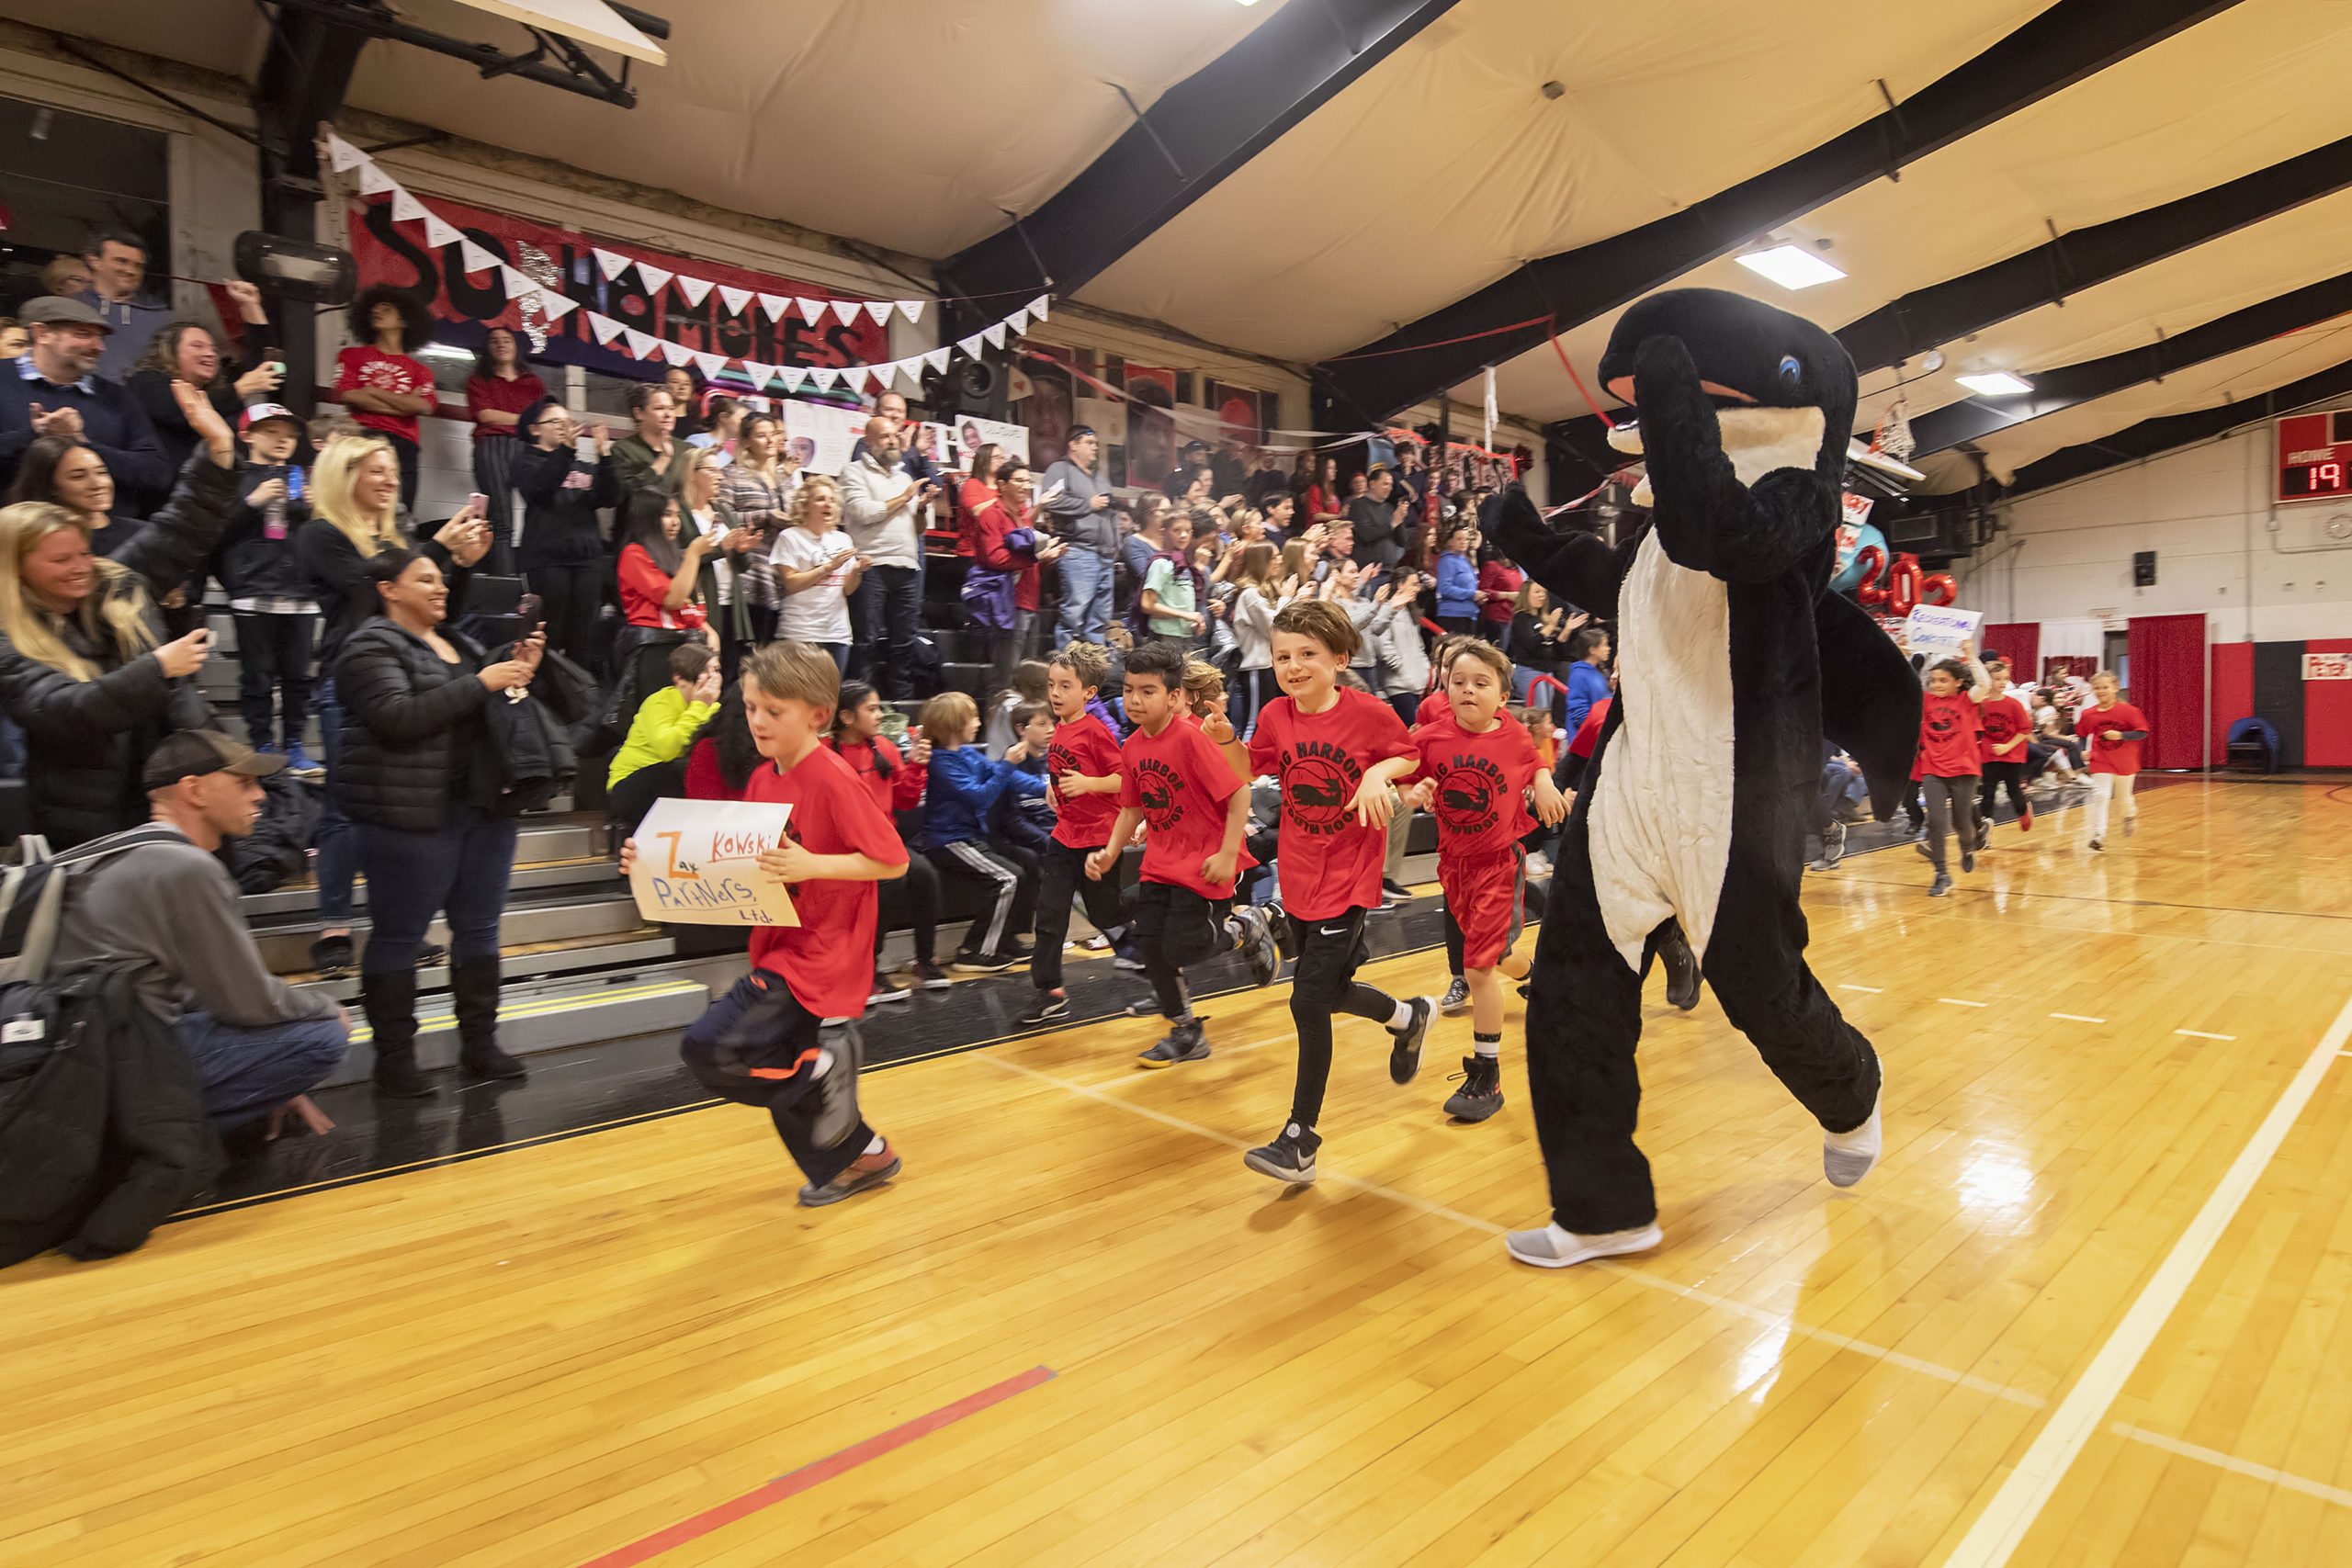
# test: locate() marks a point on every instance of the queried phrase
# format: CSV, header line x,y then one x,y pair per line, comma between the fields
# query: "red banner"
x,y
391,251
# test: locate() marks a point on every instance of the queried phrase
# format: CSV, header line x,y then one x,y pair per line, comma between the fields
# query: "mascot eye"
x,y
1790,372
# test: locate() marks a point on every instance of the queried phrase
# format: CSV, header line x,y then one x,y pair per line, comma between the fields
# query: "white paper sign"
x,y
697,864
1937,629
2327,667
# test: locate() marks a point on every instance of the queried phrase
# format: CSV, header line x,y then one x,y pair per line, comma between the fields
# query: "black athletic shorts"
x,y
1329,954
1181,926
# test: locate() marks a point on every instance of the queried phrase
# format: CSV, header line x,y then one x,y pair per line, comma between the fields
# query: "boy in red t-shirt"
x,y
1336,752
1478,770
1946,768
759,1043
1082,778
1181,779
385,389
2111,732
2007,726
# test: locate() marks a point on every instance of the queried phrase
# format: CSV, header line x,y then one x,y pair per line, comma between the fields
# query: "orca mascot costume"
x,y
1732,652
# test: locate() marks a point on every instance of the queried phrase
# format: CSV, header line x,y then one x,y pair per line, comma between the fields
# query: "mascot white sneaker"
x,y
1731,652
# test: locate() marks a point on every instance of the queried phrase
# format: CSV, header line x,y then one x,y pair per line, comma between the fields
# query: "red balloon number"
x,y
1938,588
1903,585
1873,561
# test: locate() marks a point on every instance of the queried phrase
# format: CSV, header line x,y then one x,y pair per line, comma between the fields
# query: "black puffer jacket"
x,y
89,738
410,723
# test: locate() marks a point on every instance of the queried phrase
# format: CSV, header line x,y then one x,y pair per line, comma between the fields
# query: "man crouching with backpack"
x,y
163,909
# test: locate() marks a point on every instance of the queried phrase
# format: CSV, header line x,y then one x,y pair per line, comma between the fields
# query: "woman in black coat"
x,y
562,556
410,776
85,665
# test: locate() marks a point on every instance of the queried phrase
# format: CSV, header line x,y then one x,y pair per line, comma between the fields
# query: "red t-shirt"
x,y
1496,578
1587,734
1085,745
827,959
1434,707
703,779
1482,782
2092,721
1331,864
643,586
2004,718
497,393
1948,731
901,790
1180,782
365,365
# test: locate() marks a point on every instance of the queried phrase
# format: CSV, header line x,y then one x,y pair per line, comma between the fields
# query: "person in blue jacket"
x,y
964,788
1588,681
1457,583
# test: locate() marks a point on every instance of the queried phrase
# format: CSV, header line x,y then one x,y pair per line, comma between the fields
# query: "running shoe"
x,y
1481,1094
1126,960
1404,1055
1259,948
864,1173
1289,1158
1552,1247
1832,844
986,963
887,990
1682,969
1967,858
1940,887
1925,852
836,1115
1397,890
331,957
929,977
1044,1009
1143,1006
1185,1042
1457,996
1279,923
1985,832
302,765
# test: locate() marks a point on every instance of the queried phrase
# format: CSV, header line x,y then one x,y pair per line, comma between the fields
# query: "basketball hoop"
x,y
1893,437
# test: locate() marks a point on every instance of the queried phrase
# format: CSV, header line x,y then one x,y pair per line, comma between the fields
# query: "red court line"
x,y
821,1471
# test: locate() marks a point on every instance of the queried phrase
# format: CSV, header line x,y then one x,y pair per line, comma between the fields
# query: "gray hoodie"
x,y
1075,517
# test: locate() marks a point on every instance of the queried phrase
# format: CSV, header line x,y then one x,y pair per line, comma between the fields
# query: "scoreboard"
x,y
2316,456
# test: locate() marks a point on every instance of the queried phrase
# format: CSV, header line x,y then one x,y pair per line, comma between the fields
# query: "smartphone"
x,y
479,504
294,482
532,611
274,359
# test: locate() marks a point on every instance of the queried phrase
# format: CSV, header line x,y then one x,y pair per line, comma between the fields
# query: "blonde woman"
x,y
757,486
354,494
818,569
1261,595
83,665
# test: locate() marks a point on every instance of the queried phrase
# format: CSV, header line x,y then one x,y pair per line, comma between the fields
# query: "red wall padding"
x,y
2327,713
2232,692
2021,640
2168,685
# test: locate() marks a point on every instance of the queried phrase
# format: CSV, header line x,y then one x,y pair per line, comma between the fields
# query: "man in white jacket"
x,y
882,506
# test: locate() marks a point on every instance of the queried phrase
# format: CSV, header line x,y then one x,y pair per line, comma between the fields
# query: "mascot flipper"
x,y
1697,795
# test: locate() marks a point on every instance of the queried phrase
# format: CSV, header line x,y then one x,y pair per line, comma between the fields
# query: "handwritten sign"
x,y
2327,666
697,863
1937,629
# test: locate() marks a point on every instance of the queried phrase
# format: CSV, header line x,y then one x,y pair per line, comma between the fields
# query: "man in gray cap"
x,y
55,390
166,912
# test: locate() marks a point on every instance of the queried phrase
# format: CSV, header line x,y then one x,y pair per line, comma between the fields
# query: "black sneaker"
x,y
1048,1006
985,962
1481,1094
1185,1042
1259,948
1279,923
1940,887
887,990
1143,1006
836,1115
1457,996
1682,970
1833,845
1290,1157
1405,1056
331,957
1395,892
1983,832
1967,858
929,977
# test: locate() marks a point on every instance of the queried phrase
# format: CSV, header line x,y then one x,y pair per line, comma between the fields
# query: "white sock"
x,y
1402,1017
1863,1140
878,1145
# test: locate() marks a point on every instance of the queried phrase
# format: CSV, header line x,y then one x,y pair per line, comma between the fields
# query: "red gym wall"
x,y
2264,680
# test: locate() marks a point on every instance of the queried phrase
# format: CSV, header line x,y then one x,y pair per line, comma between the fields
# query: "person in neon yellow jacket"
x,y
667,720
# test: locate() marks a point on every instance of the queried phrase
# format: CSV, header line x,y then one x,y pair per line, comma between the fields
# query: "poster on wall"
x,y
1240,416
820,435
728,318
1050,409
1151,432
967,434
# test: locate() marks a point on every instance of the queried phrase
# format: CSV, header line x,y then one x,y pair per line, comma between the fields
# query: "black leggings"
x,y
1323,984
909,902
1061,875
1998,776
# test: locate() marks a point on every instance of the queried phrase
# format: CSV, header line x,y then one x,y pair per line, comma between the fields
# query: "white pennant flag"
x,y
711,364
855,376
518,283
910,309
761,375
612,264
653,277
373,181
641,344
880,310
847,311
995,335
791,375
824,379
775,305
406,209
811,310
735,299
342,154
937,360
696,290
1037,307
1018,322
474,257
604,327
971,345
557,306
439,234
676,352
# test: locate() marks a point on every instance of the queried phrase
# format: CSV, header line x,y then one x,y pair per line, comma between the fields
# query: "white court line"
x,y
2292,1482
2003,1525
1873,990
1958,1003
1753,1314
2077,1018
2200,1034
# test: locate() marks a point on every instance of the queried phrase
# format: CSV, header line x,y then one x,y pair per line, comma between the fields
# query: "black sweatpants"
x,y
2000,776
273,656
569,596
909,903
1008,873
1324,983
757,1045
1061,875
1174,929
1584,1017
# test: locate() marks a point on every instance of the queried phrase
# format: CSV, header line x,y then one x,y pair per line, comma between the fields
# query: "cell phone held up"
x,y
531,611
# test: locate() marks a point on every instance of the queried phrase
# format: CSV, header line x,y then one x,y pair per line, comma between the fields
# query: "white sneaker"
x,y
1552,1247
1846,1157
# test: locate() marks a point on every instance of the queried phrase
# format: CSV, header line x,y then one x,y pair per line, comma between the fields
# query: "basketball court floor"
x,y
2095,1307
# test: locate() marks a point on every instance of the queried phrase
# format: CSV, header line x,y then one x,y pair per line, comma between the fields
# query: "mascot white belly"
x,y
1660,824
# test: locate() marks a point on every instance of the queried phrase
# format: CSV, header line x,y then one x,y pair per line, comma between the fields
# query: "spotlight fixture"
x,y
1995,384
1790,267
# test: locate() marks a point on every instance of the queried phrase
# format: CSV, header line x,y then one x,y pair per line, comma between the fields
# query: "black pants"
x,y
404,453
1458,625
273,657
888,611
1174,929
570,594
1008,874
626,802
757,1045
1584,1017
495,458
1329,952
909,903
1062,875
1998,776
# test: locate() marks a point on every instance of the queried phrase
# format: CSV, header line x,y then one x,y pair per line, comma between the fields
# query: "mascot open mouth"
x,y
1756,439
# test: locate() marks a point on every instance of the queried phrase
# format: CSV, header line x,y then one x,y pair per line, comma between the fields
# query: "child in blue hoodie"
x,y
1457,585
963,789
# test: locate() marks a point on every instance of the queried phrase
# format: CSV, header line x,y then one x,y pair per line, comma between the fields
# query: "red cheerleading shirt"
x,y
2004,718
1948,743
1482,782
1085,745
365,365
1179,781
2109,756
1434,707
1331,864
827,959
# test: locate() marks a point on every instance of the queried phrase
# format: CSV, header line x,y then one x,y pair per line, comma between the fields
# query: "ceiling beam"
x,y
1943,312
1199,131
2071,386
2154,437
2071,41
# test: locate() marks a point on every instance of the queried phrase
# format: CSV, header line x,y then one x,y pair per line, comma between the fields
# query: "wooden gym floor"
x,y
2095,1307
